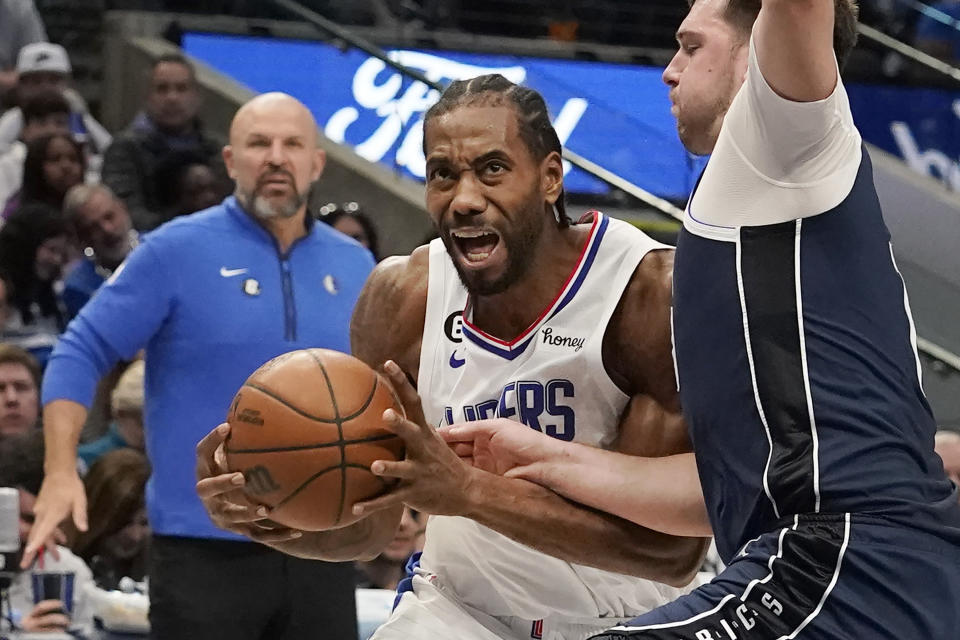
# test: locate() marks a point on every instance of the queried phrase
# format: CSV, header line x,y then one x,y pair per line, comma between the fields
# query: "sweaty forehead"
x,y
473,130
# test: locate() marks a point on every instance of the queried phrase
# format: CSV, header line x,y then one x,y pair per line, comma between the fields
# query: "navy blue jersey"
x,y
799,376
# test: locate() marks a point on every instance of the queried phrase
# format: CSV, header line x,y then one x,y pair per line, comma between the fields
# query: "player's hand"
x,y
431,478
46,616
222,495
61,495
504,447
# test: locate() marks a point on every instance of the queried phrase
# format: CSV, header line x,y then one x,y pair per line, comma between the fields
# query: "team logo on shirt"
x,y
557,340
251,287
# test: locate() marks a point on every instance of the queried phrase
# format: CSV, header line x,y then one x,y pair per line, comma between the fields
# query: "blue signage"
x,y
618,116
615,115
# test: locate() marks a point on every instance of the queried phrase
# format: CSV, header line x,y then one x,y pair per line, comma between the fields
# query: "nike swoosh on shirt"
x,y
456,362
229,273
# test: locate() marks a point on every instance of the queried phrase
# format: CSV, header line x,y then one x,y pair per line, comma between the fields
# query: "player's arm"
x,y
794,46
387,323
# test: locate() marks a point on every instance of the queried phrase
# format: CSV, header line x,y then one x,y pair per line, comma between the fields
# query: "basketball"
x,y
304,429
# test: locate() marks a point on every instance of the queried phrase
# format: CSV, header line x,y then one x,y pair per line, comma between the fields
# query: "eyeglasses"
x,y
333,207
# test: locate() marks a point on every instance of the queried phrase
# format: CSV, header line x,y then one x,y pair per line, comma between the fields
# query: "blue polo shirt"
x,y
211,298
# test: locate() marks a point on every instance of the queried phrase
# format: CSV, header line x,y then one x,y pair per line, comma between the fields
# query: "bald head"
x,y
273,155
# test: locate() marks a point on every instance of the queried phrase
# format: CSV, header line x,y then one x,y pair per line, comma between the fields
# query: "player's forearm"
x,y
62,423
662,494
543,520
363,540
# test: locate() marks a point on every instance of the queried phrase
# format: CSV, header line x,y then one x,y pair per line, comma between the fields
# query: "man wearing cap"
x,y
44,65
20,25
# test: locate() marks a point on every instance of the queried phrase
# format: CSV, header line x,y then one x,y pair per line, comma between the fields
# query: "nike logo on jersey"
x,y
330,284
229,273
456,362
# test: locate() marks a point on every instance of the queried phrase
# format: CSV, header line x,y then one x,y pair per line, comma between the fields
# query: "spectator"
x,y
54,163
186,184
21,467
34,247
20,25
126,428
19,392
6,312
938,35
47,113
115,545
387,570
947,446
103,227
351,221
167,123
43,66
211,297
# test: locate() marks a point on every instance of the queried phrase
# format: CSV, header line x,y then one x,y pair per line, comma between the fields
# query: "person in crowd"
x,y
388,569
947,446
126,429
34,247
352,221
6,312
213,296
21,467
186,183
168,122
47,113
103,228
115,545
42,66
20,25
54,163
19,392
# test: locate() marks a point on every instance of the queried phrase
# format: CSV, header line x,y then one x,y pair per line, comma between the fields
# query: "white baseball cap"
x,y
43,56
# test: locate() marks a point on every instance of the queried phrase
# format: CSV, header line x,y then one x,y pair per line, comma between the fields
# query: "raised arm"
x,y
794,45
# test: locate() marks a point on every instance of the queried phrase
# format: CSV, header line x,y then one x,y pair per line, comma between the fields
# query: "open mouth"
x,y
476,245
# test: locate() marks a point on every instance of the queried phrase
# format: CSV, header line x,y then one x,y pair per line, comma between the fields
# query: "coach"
x,y
211,297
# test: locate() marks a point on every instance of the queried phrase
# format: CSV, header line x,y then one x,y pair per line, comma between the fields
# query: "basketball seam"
x,y
295,492
339,423
303,413
304,447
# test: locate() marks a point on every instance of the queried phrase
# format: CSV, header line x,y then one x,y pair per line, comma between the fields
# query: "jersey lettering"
x,y
545,408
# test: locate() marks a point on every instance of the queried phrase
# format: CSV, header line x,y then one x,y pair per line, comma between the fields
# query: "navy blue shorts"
x,y
823,578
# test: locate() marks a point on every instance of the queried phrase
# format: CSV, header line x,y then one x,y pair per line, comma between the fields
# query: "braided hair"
x,y
533,119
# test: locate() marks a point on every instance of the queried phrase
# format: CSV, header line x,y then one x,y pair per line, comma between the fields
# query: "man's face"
x,y
19,400
273,157
199,188
948,448
35,82
103,224
705,74
487,195
173,99
54,123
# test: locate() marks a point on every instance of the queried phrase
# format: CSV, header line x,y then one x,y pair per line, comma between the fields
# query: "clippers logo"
x,y
259,480
453,327
561,341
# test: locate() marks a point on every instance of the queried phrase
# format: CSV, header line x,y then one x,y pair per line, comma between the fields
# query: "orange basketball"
x,y
304,429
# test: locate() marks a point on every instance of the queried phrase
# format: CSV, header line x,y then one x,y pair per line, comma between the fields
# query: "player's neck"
x,y
506,315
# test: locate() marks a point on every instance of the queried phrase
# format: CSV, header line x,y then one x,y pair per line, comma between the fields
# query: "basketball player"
x,y
796,362
514,312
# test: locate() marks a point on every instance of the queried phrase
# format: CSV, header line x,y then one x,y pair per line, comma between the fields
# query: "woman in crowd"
x,y
34,247
352,221
115,544
54,163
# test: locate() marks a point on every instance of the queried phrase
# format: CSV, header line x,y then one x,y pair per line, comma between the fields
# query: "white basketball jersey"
x,y
550,378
